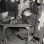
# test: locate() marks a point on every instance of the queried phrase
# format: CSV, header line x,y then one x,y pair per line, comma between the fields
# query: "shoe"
x,y
20,37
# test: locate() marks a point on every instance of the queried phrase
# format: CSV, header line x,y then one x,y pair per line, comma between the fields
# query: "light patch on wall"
x,y
41,20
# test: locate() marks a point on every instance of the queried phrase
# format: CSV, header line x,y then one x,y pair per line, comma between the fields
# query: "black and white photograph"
x,y
21,21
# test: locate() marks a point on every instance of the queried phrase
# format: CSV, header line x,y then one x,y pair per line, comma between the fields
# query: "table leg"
x,y
4,27
28,33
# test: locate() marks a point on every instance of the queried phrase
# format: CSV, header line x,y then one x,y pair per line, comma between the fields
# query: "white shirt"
x,y
41,20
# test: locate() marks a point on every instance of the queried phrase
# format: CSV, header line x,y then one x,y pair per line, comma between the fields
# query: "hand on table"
x,y
12,18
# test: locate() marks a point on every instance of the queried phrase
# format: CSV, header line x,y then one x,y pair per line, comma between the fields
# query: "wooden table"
x,y
15,25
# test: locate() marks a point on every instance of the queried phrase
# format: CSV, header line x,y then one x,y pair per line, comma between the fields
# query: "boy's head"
x,y
4,14
27,12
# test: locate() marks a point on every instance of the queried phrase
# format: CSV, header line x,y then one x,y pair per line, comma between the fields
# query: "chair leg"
x,y
35,41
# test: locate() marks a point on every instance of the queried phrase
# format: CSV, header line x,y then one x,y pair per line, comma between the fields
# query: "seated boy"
x,y
4,18
29,18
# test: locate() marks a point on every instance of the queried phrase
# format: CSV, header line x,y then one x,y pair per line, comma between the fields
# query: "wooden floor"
x,y
15,40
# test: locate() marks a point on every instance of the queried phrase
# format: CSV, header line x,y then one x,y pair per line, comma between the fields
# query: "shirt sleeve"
x,y
4,20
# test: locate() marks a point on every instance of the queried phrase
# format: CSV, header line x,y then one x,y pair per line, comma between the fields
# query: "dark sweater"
x,y
2,6
12,8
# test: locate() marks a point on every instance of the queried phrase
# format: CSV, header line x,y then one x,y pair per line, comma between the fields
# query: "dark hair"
x,y
4,10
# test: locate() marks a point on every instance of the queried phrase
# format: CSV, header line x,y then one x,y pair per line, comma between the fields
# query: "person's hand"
x,y
15,21
12,17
